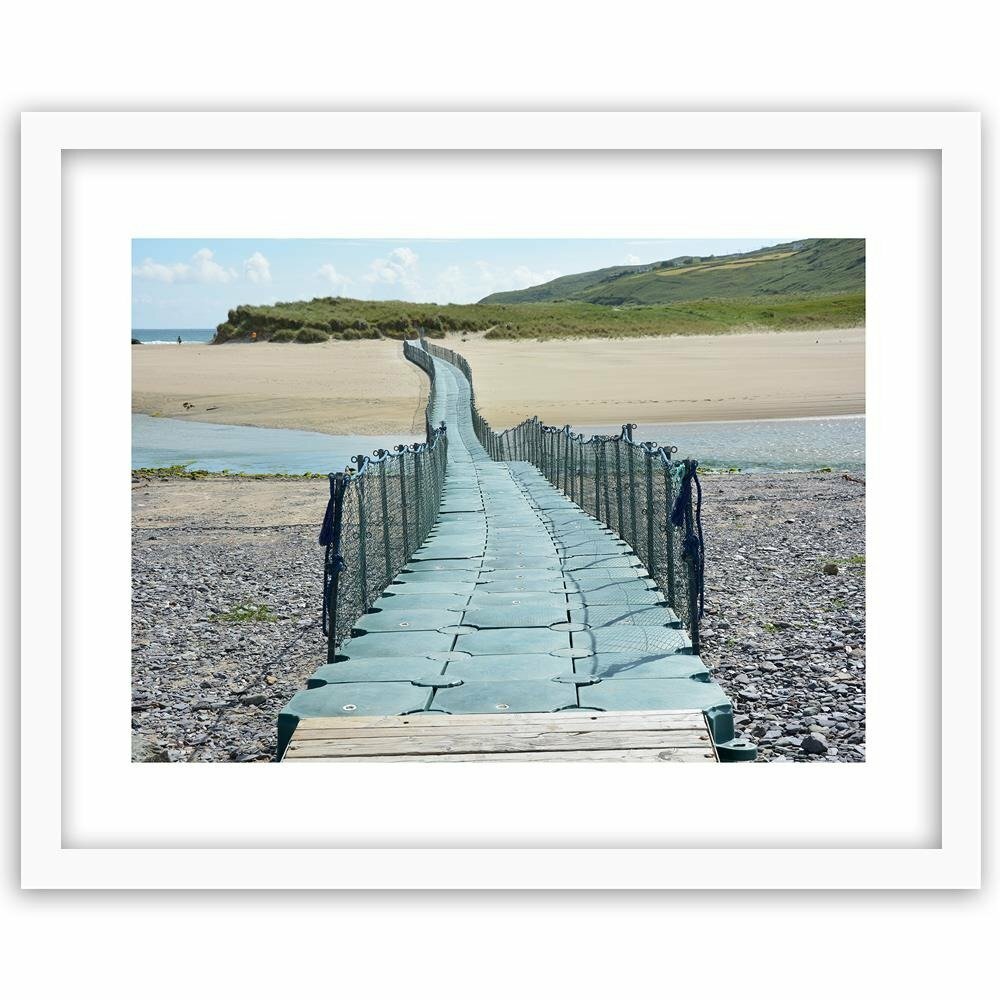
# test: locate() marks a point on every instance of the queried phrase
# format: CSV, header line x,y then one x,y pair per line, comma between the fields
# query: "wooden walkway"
x,y
525,736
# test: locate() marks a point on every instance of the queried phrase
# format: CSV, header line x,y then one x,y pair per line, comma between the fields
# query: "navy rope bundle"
x,y
329,535
326,531
694,538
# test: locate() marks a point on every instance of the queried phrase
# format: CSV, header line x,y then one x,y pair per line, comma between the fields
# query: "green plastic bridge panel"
x,y
518,601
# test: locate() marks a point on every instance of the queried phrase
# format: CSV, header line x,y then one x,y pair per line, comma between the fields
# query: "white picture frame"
x,y
62,774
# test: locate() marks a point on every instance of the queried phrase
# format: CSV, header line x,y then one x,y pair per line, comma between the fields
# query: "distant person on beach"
x,y
178,340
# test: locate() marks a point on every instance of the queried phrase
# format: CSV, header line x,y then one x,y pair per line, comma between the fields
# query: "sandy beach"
x,y
363,387
368,387
669,379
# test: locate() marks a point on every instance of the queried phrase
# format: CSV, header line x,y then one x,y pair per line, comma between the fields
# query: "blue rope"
x,y
326,531
694,539
682,500
700,564
329,536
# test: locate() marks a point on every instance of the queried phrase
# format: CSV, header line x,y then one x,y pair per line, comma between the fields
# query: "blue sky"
x,y
190,283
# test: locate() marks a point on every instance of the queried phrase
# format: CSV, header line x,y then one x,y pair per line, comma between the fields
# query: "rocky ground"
x,y
205,689
784,626
226,596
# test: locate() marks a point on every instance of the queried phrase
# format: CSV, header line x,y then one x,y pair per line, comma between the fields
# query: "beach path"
x,y
519,603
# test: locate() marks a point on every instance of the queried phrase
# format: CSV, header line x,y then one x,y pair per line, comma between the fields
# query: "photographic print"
x,y
498,499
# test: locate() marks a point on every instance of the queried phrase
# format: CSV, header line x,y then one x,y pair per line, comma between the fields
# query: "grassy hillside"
x,y
353,319
803,268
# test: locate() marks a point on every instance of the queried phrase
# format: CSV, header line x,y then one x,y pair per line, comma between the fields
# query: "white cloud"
x,y
337,280
525,277
451,285
522,276
632,259
203,269
451,274
471,282
257,268
167,273
208,272
399,268
404,256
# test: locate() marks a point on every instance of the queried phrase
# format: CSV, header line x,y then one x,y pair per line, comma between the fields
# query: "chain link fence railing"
x,y
638,489
380,512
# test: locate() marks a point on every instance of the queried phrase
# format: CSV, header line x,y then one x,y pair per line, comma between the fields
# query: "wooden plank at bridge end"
x,y
530,736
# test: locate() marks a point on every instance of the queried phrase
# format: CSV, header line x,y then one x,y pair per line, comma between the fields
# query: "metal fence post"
x,y
607,496
650,520
362,490
402,499
565,486
618,484
634,540
597,483
418,498
384,491
669,528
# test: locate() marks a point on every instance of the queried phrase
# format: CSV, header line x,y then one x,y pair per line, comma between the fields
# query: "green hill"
x,y
805,285
803,269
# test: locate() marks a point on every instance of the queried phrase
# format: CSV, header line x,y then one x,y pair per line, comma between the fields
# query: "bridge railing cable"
x,y
637,489
380,511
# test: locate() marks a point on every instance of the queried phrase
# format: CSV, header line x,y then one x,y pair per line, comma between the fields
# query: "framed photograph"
x,y
574,444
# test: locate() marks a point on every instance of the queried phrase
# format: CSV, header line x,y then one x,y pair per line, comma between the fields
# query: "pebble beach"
x,y
784,626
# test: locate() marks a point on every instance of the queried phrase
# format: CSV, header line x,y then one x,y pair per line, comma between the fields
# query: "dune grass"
x,y
331,318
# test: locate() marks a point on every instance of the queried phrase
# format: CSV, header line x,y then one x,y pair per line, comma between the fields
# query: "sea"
x,y
802,444
806,444
170,336
159,442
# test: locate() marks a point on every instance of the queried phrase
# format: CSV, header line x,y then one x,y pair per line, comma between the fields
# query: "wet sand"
x,y
368,387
